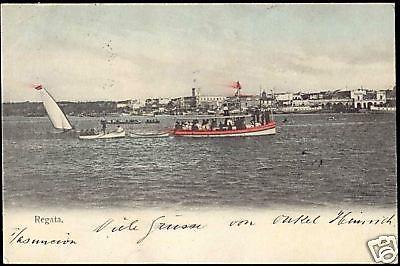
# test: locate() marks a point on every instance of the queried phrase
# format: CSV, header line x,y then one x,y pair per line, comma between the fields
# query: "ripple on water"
x,y
358,166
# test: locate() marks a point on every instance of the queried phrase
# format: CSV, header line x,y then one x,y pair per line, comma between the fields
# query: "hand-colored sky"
x,y
116,52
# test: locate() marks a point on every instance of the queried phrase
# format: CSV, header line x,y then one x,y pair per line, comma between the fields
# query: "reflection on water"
x,y
310,161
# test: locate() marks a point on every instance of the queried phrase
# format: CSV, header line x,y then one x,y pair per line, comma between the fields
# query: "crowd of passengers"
x,y
236,123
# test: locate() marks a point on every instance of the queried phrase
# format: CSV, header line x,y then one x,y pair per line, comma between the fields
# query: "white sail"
x,y
56,115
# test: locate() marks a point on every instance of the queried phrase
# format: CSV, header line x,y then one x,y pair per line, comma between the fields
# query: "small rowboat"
x,y
132,121
150,135
110,135
152,121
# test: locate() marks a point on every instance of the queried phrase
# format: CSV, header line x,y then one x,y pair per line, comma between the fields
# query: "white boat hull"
x,y
249,134
111,135
149,135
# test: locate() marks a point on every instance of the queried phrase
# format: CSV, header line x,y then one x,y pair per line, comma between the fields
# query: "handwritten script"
x,y
144,229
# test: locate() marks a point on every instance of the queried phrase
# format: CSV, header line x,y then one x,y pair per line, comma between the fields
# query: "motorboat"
x,y
225,126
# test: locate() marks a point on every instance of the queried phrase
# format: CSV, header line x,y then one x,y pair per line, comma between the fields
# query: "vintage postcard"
x,y
214,133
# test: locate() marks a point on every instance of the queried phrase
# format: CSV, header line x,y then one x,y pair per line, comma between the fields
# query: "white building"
x,y
364,99
284,99
215,101
131,104
381,95
164,101
284,96
358,95
300,102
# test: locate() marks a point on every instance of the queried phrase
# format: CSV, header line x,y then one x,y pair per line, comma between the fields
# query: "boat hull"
x,y
111,135
268,129
149,135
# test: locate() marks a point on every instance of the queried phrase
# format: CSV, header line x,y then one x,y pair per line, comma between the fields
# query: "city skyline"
x,y
116,52
230,96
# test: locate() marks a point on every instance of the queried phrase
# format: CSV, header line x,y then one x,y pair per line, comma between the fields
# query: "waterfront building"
x,y
242,102
300,109
163,101
300,99
175,106
364,99
391,97
315,96
267,99
284,99
129,104
381,95
211,102
189,102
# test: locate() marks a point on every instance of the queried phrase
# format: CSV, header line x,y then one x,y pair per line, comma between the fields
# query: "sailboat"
x,y
60,121
56,115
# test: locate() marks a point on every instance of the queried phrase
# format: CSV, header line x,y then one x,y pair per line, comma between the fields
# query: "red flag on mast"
x,y
37,86
238,86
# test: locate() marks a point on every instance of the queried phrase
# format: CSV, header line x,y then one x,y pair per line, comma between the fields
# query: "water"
x,y
350,160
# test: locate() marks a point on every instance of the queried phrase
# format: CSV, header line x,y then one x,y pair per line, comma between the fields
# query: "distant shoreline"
x,y
275,114
100,109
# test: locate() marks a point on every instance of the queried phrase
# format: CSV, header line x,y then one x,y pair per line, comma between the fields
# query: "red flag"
x,y
38,86
236,85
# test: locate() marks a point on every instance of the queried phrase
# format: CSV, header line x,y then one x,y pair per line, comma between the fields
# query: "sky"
x,y
137,51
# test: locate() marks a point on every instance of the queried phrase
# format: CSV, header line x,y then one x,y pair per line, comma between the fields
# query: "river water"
x,y
311,161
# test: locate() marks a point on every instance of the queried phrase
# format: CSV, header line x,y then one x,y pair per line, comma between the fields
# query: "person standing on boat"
x,y
213,124
195,125
241,123
263,117
104,125
178,125
221,126
226,110
257,116
203,124
229,123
